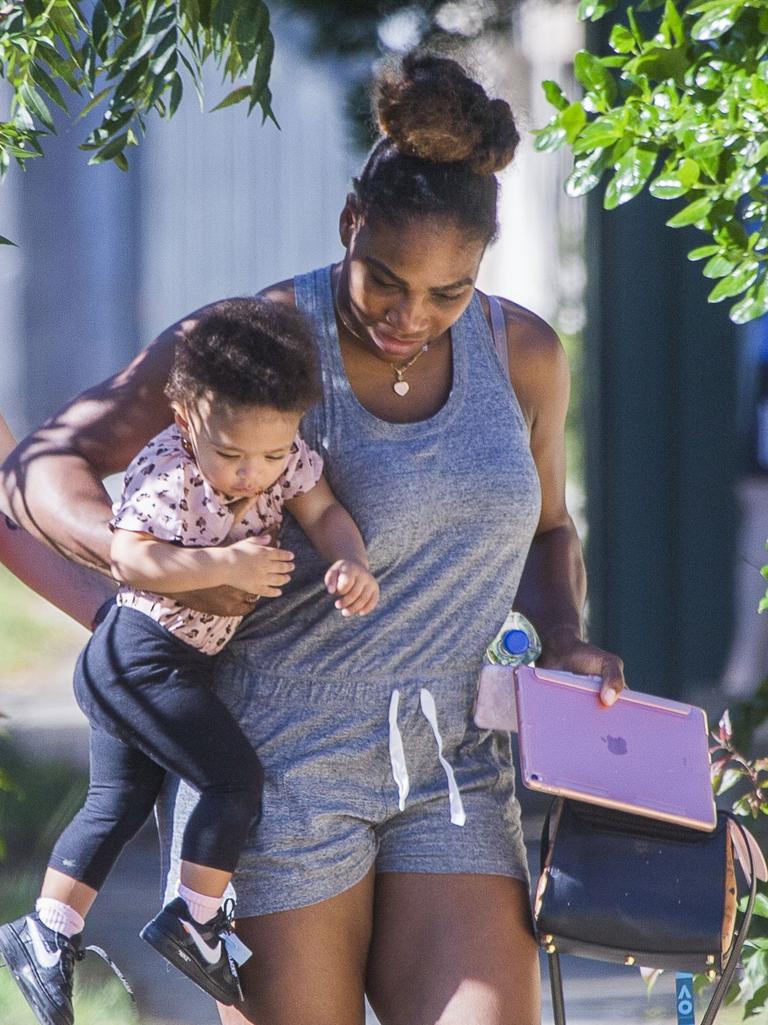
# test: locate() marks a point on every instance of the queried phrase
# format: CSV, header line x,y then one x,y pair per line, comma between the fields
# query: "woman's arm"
x,y
51,484
336,536
75,590
553,588
52,481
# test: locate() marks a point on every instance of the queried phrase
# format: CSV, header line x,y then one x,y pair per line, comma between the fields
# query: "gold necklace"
x,y
400,386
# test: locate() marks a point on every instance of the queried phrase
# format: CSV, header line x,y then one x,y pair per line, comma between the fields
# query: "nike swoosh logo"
x,y
45,957
210,954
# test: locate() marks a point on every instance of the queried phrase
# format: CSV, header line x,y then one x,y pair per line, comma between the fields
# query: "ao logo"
x,y
684,995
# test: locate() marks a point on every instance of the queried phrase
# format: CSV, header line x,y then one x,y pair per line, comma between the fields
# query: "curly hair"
x,y
247,352
442,141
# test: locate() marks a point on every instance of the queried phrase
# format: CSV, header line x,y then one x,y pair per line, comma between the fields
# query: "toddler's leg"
x,y
124,784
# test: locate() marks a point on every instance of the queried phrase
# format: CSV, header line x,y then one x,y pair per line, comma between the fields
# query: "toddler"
x,y
200,507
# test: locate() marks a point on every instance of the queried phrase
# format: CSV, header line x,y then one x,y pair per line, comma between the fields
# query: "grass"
x,y
99,998
31,630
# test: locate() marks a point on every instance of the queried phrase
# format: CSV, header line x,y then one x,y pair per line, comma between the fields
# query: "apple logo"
x,y
616,745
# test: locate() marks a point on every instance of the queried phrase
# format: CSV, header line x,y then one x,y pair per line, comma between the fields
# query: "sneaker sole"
x,y
14,952
168,947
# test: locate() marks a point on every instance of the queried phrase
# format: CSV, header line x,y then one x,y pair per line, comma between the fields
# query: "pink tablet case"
x,y
644,754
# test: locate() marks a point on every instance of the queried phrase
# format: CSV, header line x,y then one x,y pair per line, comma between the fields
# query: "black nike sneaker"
x,y
42,962
196,950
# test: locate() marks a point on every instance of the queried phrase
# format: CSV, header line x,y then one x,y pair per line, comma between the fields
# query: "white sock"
x,y
201,907
59,916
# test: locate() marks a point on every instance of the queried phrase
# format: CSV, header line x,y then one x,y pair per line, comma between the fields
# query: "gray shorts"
x,y
361,773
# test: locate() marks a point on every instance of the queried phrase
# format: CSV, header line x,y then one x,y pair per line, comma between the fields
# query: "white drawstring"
x,y
397,754
428,707
396,750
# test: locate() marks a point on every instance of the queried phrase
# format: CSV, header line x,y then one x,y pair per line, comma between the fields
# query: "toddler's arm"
x,y
146,563
336,536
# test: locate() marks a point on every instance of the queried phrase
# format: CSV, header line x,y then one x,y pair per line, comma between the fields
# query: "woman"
x,y
389,858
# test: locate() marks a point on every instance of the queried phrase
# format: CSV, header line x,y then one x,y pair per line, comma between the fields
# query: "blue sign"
x,y
684,998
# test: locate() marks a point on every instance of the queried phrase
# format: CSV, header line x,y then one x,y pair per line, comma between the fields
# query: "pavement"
x,y
44,718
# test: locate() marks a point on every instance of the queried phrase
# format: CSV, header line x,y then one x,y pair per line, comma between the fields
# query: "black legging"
x,y
149,701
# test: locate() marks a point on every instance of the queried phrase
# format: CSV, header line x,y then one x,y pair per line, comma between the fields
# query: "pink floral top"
x,y
164,494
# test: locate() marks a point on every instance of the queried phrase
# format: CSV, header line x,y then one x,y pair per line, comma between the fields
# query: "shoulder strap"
x,y
499,332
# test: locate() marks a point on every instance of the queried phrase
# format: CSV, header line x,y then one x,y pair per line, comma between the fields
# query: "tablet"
x,y
644,754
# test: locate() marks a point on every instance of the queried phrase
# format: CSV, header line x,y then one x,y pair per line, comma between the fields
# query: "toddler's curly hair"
x,y
247,352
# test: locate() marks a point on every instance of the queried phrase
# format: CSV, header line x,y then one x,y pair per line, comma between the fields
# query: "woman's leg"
x,y
453,950
308,965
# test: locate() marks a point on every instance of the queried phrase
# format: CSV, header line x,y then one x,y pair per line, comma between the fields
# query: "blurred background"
x,y
668,435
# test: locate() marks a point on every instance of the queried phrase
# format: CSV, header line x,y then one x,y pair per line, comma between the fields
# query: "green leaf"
x,y
632,172
695,213
595,78
251,25
573,119
94,102
753,305
585,175
550,138
703,252
554,94
622,40
236,96
672,24
593,10
735,283
177,90
35,104
47,84
729,779
6,241
100,27
760,910
716,21
718,266
110,151
598,134
259,92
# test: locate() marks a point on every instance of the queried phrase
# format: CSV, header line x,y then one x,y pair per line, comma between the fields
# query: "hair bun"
x,y
430,108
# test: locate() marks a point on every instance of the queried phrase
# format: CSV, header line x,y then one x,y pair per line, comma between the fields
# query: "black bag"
x,y
625,888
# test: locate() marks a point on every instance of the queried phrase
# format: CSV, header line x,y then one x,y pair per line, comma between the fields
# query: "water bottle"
x,y
516,643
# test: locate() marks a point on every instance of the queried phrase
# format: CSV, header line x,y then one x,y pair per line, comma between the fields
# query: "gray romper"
x,y
364,724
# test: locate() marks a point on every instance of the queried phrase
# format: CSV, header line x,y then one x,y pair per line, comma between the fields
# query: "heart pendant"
x,y
401,387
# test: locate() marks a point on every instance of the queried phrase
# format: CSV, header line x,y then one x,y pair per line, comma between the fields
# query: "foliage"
x,y
680,107
128,58
35,807
730,769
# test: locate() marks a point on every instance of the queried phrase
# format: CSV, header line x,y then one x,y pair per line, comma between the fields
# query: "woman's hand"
x,y
357,587
218,601
566,651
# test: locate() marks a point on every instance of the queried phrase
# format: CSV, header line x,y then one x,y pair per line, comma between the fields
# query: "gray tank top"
x,y
447,506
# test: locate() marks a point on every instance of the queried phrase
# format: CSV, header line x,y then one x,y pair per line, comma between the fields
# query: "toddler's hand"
x,y
256,568
358,589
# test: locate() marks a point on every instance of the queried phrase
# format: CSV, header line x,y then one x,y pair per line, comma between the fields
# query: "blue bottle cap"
x,y
515,642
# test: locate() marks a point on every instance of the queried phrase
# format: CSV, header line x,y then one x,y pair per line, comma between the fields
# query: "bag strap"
x,y
499,332
726,978
724,983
